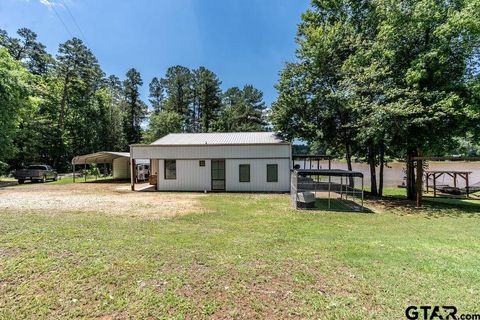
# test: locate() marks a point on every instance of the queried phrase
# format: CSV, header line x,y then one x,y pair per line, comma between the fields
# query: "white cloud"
x,y
51,3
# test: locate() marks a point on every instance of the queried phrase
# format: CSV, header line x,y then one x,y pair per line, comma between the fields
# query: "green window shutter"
x,y
272,172
244,172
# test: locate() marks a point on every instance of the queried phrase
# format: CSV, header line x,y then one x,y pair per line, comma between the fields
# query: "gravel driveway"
x,y
106,198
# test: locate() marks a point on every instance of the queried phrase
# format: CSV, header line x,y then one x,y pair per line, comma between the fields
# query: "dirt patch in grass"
x,y
430,206
388,204
105,198
9,252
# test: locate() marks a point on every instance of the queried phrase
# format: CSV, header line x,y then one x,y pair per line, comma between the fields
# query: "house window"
x,y
201,163
170,169
244,172
272,172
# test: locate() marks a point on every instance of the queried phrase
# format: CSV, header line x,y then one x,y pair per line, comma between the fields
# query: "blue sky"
x,y
242,41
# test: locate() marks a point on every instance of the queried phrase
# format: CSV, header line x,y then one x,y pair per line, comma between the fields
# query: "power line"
x,y
75,22
61,20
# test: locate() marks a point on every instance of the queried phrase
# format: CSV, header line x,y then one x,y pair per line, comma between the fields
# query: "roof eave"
x,y
211,144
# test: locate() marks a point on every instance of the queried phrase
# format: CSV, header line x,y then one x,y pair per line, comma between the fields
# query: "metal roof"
x,y
227,138
103,157
328,172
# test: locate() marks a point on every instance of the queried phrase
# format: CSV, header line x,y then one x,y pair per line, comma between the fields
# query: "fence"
x,y
327,189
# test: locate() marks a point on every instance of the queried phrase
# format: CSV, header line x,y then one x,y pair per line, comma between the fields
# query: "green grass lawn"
x,y
3,178
65,180
242,256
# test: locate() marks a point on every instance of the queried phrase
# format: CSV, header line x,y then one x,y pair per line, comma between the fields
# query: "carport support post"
x,y
341,189
352,196
85,171
132,174
467,184
362,193
329,183
73,165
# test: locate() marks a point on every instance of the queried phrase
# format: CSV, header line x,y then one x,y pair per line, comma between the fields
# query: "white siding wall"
x,y
258,175
121,168
211,151
190,176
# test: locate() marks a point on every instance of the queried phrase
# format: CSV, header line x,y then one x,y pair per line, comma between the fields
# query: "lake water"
x,y
395,172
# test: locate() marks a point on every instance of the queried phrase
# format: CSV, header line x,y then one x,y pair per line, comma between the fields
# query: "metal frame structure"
x,y
315,157
102,157
97,158
339,181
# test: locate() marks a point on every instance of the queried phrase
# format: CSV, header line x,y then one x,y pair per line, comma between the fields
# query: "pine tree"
x,y
243,110
206,99
157,95
178,89
135,108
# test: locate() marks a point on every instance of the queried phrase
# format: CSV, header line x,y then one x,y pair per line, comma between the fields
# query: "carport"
x,y
119,162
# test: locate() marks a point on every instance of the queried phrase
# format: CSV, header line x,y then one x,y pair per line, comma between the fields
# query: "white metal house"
x,y
241,161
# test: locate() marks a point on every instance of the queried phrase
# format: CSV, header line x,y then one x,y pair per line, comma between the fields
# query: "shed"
x,y
235,161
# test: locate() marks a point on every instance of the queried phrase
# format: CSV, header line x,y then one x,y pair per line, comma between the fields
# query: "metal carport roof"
x,y
104,157
99,157
328,172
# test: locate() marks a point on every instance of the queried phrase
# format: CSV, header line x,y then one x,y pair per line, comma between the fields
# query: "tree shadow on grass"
x,y
452,207
339,205
432,207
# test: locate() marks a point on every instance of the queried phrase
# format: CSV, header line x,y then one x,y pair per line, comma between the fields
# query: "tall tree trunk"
x,y
63,103
196,124
348,157
373,174
411,187
382,165
419,184
19,54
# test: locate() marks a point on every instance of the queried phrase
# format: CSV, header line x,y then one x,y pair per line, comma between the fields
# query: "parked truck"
x,y
37,172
